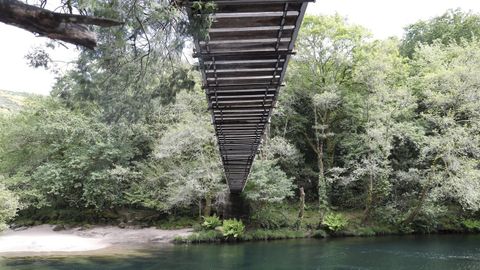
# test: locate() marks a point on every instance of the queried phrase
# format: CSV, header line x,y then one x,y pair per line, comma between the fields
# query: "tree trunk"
x,y
208,206
369,199
322,187
200,210
285,128
301,211
417,208
70,28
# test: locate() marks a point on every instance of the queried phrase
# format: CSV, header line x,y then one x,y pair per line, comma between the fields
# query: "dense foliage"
x,y
8,206
387,131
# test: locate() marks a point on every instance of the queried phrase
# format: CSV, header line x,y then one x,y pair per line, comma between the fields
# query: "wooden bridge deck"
x,y
243,63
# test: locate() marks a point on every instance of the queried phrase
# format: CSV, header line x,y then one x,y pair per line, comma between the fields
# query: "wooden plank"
x,y
241,81
242,78
260,57
247,73
242,115
225,148
254,40
239,144
218,115
246,65
251,21
237,149
239,94
259,118
240,35
241,86
246,46
238,103
239,110
252,29
254,130
246,125
252,72
240,106
244,96
256,13
251,2
239,133
229,8
238,50
260,130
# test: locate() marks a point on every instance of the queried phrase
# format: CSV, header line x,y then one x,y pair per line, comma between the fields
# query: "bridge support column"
x,y
236,207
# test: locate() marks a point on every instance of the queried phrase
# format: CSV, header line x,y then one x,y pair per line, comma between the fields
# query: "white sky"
x,y
384,18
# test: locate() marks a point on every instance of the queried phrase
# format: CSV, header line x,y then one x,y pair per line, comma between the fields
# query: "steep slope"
x,y
11,101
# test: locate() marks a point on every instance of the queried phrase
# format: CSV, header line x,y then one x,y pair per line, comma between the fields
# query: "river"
x,y
438,252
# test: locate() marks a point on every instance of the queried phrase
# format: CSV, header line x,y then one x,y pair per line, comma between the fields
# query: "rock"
x,y
158,239
59,227
122,225
18,228
86,227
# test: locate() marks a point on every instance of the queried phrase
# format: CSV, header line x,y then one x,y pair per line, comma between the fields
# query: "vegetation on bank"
x,y
369,136
336,224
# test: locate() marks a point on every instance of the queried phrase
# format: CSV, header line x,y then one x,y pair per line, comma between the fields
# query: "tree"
x,y
186,168
268,183
53,156
446,81
386,109
322,73
134,68
8,206
452,26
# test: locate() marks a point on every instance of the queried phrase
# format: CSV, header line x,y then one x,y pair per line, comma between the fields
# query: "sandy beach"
x,y
43,239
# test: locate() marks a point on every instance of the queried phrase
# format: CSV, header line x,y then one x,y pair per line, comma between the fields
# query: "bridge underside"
x,y
243,62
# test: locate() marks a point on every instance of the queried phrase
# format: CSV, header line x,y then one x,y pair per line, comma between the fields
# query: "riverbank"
x,y
47,239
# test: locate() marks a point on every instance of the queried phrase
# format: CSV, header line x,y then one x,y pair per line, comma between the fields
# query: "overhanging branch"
x,y
71,28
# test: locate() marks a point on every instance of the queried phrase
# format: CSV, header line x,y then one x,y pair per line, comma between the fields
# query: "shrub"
x,y
200,237
8,206
335,221
472,225
270,218
319,234
233,228
210,223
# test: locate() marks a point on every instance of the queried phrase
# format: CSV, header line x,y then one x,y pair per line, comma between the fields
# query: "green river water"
x,y
439,252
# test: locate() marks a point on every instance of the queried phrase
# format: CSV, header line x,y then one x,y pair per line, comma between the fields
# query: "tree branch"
x,y
71,28
315,149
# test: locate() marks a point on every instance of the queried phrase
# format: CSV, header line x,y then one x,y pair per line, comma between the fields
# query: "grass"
x,y
201,237
261,234
214,236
